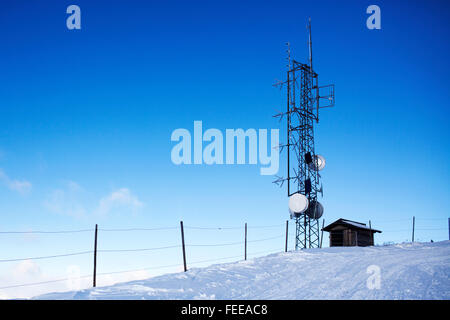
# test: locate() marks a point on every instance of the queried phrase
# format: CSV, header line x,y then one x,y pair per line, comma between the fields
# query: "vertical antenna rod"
x,y
288,115
316,85
310,45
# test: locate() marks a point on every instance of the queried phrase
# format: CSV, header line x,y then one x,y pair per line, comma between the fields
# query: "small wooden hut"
x,y
347,233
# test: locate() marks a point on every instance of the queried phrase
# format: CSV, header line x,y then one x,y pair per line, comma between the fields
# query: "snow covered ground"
x,y
403,271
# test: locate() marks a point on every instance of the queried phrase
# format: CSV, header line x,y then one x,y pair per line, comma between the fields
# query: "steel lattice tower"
x,y
304,100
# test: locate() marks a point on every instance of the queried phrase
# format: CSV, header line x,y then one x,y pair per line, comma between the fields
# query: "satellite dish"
x,y
298,203
318,163
315,210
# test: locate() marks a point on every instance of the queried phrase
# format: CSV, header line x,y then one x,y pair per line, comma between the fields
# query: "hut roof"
x,y
349,223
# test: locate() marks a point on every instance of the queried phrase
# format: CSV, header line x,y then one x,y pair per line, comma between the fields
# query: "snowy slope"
x,y
407,271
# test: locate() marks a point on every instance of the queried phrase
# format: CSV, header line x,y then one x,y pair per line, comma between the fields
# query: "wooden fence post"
x,y
182,244
245,250
95,256
287,231
321,236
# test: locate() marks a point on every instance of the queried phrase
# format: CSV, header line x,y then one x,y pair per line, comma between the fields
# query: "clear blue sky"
x,y
86,117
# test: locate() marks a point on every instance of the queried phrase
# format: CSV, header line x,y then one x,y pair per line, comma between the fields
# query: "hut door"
x,y
350,238
347,237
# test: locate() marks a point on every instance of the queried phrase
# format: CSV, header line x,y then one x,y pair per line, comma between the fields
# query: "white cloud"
x,y
27,269
66,201
74,187
21,186
122,198
70,201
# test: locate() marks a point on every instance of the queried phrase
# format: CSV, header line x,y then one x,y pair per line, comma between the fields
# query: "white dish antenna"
x,y
298,203
315,210
318,163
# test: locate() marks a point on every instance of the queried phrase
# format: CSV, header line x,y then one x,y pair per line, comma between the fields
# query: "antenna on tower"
x,y
288,51
310,44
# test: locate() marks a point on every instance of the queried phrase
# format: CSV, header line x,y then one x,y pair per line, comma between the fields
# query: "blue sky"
x,y
86,117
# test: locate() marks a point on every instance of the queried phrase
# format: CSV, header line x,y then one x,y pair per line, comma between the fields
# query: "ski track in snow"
x,y
408,271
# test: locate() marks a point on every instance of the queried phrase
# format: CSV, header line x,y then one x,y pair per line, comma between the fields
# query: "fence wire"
x,y
291,235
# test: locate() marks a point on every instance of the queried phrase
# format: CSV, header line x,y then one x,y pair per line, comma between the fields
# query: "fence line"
x,y
199,228
213,228
137,250
133,270
420,229
288,233
48,257
45,232
137,229
216,245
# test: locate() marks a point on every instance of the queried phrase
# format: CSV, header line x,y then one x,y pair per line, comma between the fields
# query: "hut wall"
x,y
349,237
336,238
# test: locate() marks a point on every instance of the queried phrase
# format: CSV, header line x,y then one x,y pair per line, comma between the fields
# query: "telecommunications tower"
x,y
304,99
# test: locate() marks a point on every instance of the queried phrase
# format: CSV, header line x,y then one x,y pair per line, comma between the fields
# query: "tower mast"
x,y
302,162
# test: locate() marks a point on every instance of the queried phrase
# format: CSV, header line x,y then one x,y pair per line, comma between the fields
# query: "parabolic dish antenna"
x,y
315,210
298,203
318,163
